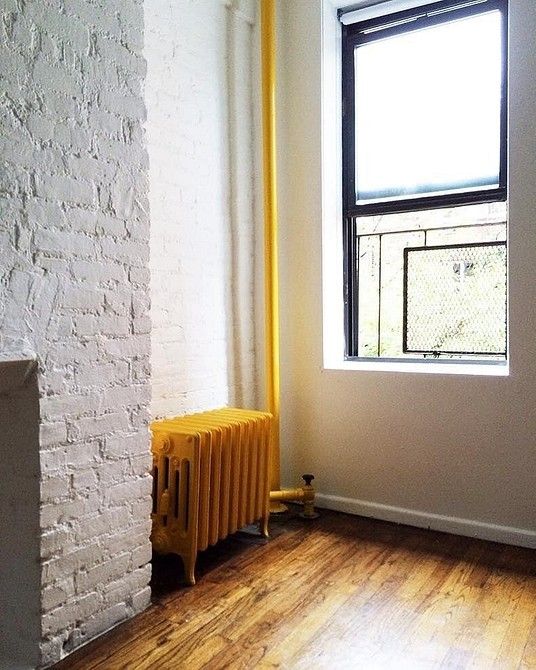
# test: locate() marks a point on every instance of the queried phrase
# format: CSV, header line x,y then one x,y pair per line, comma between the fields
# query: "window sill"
x,y
485,369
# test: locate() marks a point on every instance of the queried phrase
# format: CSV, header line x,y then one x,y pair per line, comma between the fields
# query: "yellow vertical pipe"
x,y
271,278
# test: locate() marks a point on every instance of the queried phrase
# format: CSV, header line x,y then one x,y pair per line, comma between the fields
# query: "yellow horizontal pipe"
x,y
286,494
305,495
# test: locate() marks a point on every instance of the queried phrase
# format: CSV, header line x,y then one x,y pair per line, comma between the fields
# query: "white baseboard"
x,y
484,531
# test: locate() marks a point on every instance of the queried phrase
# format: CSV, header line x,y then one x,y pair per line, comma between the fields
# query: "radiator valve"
x,y
304,495
308,499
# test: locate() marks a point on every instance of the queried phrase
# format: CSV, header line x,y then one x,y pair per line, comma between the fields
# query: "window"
x,y
424,183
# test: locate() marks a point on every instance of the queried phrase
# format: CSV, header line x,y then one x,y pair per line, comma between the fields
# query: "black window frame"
x,y
354,35
383,26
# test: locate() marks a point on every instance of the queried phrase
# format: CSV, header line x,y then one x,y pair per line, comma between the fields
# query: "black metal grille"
x,y
455,299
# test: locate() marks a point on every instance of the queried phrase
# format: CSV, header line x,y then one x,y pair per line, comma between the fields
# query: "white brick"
x,y
83,481
83,454
118,301
57,594
114,51
57,265
82,298
123,199
138,227
60,241
41,127
83,220
140,465
66,511
54,488
92,15
120,446
124,105
75,139
130,490
141,509
116,150
137,394
102,325
101,374
130,538
132,582
54,78
141,600
141,370
58,24
52,433
141,326
140,304
93,426
104,121
105,619
61,406
113,472
52,650
98,271
76,609
55,539
127,347
141,555
71,563
110,225
107,523
126,250
102,574
58,381
93,169
65,189
139,275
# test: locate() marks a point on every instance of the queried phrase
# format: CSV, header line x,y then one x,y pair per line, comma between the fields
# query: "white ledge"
x,y
426,367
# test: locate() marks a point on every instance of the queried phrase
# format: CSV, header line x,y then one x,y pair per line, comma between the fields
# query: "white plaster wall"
x,y
199,133
455,452
74,294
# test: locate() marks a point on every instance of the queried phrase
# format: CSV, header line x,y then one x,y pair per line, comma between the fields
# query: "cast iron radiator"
x,y
210,478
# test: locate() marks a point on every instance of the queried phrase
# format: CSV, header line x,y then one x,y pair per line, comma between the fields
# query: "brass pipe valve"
x,y
308,498
303,494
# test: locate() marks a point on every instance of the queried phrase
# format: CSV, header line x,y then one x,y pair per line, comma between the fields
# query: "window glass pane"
x,y
448,309
456,298
428,106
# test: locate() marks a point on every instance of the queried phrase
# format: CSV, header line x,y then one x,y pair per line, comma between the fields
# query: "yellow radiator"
x,y
211,477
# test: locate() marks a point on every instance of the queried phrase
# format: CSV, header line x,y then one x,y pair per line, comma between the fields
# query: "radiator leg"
x,y
189,568
263,526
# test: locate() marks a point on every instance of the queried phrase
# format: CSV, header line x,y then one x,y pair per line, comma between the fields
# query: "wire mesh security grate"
x,y
455,299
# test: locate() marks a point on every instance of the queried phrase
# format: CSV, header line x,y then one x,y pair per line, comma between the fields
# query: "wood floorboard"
x,y
340,592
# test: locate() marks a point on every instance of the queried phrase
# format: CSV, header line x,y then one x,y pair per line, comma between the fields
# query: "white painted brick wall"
x,y
74,264
199,137
74,288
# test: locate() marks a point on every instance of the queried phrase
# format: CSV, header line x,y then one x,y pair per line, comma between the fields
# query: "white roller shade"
x,y
370,9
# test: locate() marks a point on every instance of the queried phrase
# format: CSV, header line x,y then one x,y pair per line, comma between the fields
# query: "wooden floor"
x,y
339,592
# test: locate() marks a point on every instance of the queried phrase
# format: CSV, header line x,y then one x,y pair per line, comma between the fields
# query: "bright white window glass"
x,y
428,106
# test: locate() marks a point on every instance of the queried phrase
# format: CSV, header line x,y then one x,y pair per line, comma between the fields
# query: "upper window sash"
x,y
405,23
